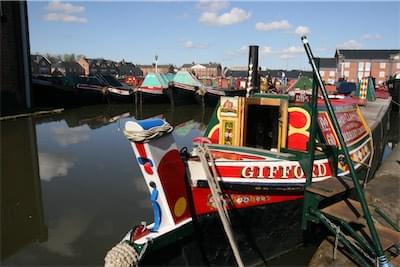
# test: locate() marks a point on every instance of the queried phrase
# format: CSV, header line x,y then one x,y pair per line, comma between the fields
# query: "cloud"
x,y
265,50
212,6
190,45
293,50
274,25
351,44
235,15
66,231
69,136
64,12
302,30
64,18
286,56
57,6
51,166
372,36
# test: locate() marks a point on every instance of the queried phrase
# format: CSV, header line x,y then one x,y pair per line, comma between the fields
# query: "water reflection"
x,y
71,185
22,219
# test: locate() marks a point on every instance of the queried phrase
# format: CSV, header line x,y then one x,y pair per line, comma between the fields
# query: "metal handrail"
x,y
360,195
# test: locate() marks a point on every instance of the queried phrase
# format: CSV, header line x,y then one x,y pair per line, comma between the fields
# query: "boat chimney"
x,y
253,79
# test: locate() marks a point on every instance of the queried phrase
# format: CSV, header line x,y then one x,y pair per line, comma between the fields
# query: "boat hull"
x,y
148,97
182,95
262,233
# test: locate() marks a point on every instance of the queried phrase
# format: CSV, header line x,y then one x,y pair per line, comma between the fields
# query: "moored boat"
x,y
212,95
153,89
255,149
183,88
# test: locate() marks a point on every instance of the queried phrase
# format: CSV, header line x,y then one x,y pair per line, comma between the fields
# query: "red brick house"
x,y
327,69
207,70
352,64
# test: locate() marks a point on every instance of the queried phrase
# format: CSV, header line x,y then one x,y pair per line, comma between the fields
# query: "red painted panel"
x,y
172,174
204,204
297,141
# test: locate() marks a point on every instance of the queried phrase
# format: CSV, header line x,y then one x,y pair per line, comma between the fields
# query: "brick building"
x,y
128,69
327,69
40,65
65,68
93,66
208,70
160,68
352,65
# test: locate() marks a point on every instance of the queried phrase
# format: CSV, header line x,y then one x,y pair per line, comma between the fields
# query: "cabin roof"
x,y
366,53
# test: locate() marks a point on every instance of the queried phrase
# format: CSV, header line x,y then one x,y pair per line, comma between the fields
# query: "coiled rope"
x,y
121,255
147,135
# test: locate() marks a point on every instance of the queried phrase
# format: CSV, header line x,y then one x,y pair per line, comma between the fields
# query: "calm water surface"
x,y
71,187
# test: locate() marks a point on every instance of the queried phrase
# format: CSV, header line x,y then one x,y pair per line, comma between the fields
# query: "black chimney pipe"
x,y
253,77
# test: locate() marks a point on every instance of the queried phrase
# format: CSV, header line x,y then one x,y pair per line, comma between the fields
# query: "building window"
x,y
398,65
360,66
367,66
360,75
381,74
346,73
347,65
331,74
382,65
322,73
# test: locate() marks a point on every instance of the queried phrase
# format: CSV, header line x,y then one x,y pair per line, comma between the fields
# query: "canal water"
x,y
71,187
70,184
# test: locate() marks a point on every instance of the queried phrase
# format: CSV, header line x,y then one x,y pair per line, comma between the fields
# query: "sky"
x,y
211,31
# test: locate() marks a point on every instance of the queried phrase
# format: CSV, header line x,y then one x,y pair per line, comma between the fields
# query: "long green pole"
x,y
375,238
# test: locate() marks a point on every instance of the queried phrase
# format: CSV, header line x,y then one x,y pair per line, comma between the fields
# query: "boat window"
x,y
262,126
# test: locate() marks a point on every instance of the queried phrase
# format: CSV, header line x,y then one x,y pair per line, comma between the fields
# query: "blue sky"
x,y
203,31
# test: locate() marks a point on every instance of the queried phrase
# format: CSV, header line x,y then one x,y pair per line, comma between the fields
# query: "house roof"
x,y
366,53
37,58
208,65
327,62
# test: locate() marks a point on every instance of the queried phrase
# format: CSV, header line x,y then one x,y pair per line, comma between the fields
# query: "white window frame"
x,y
322,73
331,73
382,65
347,65
367,66
381,74
346,73
360,66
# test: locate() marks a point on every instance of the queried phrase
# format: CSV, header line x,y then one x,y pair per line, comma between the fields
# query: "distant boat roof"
x,y
155,80
185,77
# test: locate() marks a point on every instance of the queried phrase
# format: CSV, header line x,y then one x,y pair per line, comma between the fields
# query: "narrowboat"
x,y
116,90
250,165
153,89
212,95
183,88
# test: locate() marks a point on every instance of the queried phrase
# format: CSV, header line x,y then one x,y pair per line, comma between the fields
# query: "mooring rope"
x,y
122,255
147,135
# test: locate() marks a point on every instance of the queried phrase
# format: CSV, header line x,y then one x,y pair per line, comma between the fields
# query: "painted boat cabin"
x,y
272,122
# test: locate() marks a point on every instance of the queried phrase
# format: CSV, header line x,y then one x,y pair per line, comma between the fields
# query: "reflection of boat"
x,y
258,150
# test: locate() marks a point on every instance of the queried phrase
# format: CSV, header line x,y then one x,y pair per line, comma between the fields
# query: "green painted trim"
x,y
273,96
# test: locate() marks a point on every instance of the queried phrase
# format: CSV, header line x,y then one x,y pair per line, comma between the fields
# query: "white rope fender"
x,y
147,135
121,255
